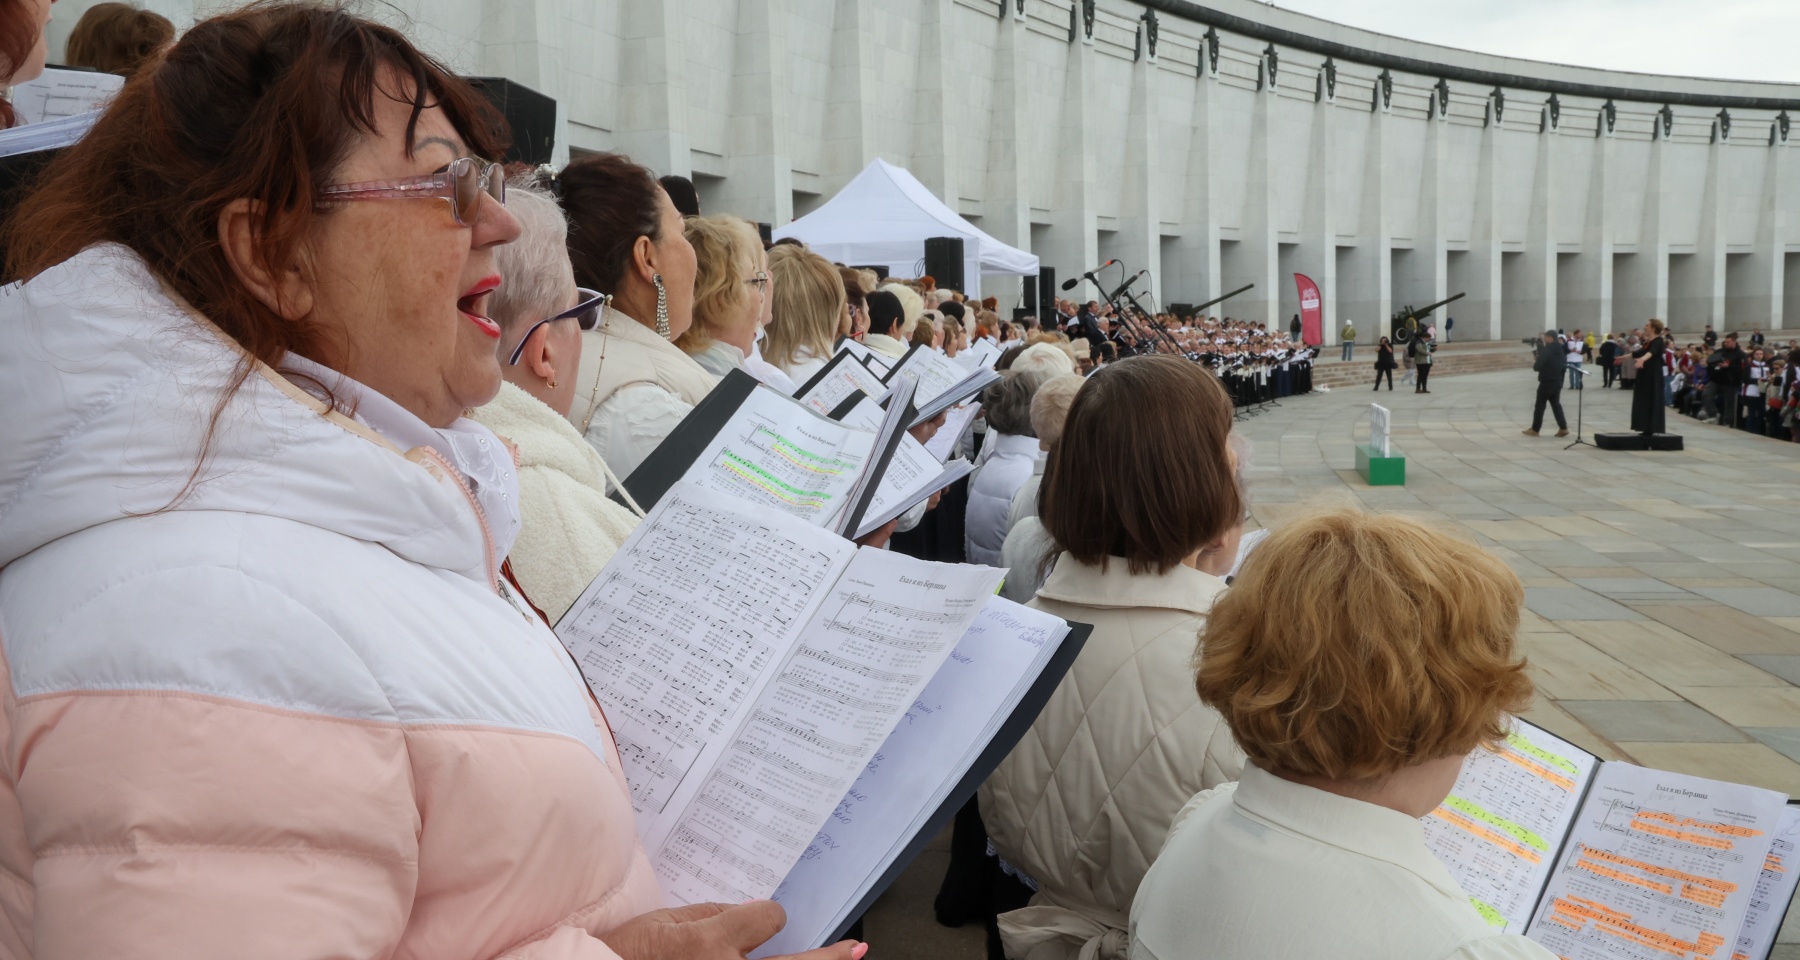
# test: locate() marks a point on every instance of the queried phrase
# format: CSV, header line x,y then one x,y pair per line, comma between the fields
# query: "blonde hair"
x,y
911,305
809,301
726,250
1048,355
1050,407
1352,646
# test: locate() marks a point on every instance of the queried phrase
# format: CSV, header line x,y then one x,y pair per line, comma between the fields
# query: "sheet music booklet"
x,y
781,696
1601,860
913,474
942,382
752,442
843,375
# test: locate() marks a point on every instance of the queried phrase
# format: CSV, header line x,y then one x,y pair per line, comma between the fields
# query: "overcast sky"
x,y
1734,39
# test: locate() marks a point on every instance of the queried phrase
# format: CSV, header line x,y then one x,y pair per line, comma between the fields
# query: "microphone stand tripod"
x,y
1580,393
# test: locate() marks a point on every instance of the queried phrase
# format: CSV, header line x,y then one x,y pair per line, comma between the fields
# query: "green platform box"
x,y
1380,471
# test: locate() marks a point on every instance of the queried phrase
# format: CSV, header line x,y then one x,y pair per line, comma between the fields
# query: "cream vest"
x,y
623,352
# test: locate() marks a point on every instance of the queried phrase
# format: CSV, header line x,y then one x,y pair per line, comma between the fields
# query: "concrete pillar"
x,y
1139,242
1256,257
1482,308
1074,244
1697,286
1008,217
1531,297
652,109
1641,282
1367,281
759,184
1590,296
1764,271
1196,274
935,107
850,117
1427,265
1316,253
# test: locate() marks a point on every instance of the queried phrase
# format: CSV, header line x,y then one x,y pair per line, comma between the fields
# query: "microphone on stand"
x,y
1070,283
1127,284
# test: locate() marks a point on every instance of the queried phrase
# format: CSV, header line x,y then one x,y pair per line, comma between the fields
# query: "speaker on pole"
x,y
1028,294
530,114
944,261
1046,298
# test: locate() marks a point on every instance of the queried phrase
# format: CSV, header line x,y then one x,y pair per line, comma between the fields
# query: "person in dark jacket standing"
x,y
1384,364
1550,364
1609,355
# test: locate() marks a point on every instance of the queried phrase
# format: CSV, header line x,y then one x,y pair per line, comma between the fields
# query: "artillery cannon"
x,y
1407,321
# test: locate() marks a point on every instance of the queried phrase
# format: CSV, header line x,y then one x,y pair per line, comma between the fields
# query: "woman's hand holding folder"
x,y
714,931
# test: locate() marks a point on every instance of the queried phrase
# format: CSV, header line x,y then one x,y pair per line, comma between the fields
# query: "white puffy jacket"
x,y
1084,802
291,715
1009,463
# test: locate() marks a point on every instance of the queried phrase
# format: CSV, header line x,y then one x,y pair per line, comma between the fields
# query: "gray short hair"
x,y
1007,405
535,268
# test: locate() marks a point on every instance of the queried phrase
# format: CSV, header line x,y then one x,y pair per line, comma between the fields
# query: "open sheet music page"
x,y
842,376
1499,830
907,779
1774,890
776,453
1658,865
58,94
679,633
885,626
879,363
956,426
912,475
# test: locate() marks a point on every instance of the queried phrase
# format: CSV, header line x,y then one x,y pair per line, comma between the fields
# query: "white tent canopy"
x,y
884,217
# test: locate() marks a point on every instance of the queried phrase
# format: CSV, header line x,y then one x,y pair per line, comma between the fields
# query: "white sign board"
x,y
1378,429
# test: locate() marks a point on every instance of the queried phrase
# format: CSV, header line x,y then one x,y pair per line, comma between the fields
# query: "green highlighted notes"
x,y
1517,832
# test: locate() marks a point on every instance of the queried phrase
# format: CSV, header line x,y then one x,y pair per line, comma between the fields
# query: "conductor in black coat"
x,y
1647,390
1551,365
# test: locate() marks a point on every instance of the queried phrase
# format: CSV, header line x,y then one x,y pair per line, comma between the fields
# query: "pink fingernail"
x,y
859,952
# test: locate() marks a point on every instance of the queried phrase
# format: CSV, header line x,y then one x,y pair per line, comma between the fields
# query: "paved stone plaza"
x,y
1663,588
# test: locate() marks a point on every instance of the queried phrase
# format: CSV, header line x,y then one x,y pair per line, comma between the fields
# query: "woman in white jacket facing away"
x,y
1145,511
627,239
1009,458
1357,659
570,528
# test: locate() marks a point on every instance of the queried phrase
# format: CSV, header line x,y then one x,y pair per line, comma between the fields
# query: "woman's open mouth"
x,y
473,305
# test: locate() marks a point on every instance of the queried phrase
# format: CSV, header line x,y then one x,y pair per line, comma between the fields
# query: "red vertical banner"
x,y
1312,311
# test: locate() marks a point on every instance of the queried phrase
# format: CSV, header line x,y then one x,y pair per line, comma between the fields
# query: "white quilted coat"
x,y
1084,802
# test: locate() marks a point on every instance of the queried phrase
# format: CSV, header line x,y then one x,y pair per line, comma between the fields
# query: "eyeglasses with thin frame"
x,y
462,183
586,314
760,280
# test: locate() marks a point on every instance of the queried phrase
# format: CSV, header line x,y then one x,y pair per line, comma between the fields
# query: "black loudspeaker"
x,y
530,115
944,261
1028,294
1183,310
767,232
1638,441
1046,298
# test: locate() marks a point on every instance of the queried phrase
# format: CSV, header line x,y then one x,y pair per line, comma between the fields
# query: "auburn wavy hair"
x,y
263,104
1353,645
19,31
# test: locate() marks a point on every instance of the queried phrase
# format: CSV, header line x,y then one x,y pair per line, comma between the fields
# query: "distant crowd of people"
x,y
1748,382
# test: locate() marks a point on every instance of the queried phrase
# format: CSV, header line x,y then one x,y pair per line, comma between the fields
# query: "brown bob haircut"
x,y
262,104
117,38
1142,470
1352,646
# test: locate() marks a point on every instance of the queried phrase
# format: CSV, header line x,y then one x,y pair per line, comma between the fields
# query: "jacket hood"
x,y
110,384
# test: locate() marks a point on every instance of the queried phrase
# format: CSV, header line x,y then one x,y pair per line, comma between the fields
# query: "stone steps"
x,y
1337,374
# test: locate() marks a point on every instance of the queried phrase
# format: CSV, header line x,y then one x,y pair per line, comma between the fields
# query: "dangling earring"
x,y
662,307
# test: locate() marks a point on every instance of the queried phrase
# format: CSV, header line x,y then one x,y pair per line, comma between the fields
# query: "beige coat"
x,y
1084,801
570,528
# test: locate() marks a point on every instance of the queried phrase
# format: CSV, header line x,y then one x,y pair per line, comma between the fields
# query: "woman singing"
x,y
1647,390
